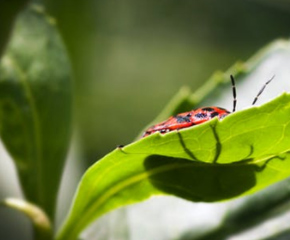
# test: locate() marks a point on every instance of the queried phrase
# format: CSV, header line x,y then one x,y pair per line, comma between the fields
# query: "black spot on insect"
x,y
214,114
163,131
181,119
200,115
223,109
189,115
209,109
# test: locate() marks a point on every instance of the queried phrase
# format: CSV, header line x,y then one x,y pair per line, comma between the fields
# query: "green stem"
x,y
41,224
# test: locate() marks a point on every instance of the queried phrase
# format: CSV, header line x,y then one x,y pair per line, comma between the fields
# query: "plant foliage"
x,y
35,105
218,160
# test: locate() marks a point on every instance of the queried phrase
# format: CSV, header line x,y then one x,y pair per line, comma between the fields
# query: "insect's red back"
x,y
187,119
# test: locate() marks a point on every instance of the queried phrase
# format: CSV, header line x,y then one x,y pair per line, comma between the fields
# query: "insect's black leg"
x,y
262,89
234,93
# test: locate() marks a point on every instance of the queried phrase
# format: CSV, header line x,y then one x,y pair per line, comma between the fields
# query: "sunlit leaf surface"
x,y
218,160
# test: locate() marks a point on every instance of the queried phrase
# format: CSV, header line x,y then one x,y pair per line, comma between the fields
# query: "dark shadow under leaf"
x,y
197,181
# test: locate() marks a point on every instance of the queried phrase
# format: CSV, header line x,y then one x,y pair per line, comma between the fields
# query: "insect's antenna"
x,y
234,93
262,89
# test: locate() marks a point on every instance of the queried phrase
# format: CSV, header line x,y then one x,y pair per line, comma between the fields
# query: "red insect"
x,y
198,116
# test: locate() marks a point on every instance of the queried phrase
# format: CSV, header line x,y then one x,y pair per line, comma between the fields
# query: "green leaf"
x,y
218,160
199,165
8,12
35,105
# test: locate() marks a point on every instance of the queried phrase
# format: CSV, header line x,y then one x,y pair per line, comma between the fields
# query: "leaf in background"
x,y
8,12
218,160
35,105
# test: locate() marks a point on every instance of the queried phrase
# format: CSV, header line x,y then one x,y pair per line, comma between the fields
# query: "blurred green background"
x,y
130,57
